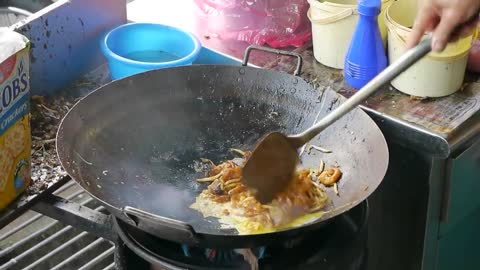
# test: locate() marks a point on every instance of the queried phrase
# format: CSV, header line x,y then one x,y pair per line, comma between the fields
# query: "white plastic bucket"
x,y
438,74
333,24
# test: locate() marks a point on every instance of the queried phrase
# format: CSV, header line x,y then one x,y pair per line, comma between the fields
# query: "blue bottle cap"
x,y
369,7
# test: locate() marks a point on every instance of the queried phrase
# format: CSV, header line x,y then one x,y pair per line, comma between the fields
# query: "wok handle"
x,y
250,48
168,228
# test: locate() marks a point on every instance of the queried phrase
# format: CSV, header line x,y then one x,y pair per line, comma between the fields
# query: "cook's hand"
x,y
442,17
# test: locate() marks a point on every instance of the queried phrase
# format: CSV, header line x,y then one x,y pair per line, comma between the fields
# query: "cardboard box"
x,y
15,135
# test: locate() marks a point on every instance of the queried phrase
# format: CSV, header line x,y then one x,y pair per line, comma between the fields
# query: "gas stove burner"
x,y
222,256
340,245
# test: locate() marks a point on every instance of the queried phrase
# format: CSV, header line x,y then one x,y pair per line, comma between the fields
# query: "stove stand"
x,y
339,245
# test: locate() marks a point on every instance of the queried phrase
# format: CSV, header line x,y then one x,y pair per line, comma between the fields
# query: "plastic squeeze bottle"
x,y
366,55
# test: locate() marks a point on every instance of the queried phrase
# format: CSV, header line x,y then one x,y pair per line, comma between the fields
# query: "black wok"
x,y
133,143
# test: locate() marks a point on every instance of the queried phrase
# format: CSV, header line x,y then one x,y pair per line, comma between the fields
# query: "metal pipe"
x,y
98,259
15,260
79,253
55,251
35,217
110,267
37,233
69,184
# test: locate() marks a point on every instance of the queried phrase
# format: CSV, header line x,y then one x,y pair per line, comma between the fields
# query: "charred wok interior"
x,y
133,144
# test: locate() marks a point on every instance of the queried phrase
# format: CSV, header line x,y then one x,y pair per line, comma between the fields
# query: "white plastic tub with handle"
x,y
438,74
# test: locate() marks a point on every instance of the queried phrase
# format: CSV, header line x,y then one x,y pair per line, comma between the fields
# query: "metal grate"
x,y
34,241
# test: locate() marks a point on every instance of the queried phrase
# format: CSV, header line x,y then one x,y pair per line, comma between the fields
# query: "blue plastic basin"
x,y
138,47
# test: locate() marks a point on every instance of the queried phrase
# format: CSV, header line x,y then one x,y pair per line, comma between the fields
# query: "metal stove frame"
x,y
52,240
88,220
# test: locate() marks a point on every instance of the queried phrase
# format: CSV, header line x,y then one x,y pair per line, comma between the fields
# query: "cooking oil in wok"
x,y
152,56
298,222
242,224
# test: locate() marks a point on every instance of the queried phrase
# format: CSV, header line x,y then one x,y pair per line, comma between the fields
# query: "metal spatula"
x,y
272,164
